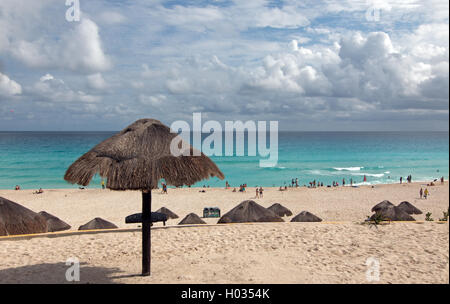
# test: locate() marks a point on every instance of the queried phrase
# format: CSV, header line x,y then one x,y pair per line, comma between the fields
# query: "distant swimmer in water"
x,y
17,187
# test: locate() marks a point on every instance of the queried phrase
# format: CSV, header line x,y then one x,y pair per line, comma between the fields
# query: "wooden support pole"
x,y
146,232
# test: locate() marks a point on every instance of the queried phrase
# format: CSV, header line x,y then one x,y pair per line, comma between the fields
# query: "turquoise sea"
x,y
39,159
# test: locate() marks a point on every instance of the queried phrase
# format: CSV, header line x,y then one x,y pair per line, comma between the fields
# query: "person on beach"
x,y
257,192
365,179
227,185
261,192
421,193
351,182
442,180
17,187
401,179
103,184
343,182
426,193
40,191
296,182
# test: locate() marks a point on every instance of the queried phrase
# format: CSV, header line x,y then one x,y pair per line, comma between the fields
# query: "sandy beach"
x,y
334,251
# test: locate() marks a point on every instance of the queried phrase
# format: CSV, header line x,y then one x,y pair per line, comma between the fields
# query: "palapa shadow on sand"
x,y
55,273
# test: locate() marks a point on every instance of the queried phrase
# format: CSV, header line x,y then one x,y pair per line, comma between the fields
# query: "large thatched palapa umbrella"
x,y
136,159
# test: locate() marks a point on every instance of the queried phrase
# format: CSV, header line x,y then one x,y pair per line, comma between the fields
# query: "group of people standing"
x,y
259,192
408,179
423,193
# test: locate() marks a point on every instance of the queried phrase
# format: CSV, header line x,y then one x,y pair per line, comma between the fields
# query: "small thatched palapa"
x,y
280,210
16,219
382,205
306,216
393,213
409,208
97,223
54,223
249,211
170,214
138,157
191,219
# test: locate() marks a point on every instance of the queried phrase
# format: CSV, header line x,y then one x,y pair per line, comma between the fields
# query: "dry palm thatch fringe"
x,y
138,157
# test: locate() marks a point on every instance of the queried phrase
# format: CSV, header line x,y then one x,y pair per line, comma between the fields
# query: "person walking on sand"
x,y
103,184
401,179
421,193
426,193
257,192
296,182
343,182
261,192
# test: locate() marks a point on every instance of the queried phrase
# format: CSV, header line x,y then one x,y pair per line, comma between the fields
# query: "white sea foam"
x,y
349,169
369,174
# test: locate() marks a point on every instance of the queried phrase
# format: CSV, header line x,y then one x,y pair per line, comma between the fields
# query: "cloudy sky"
x,y
312,65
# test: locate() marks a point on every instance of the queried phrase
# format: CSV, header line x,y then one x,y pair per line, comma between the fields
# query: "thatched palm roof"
x,y
170,214
138,157
97,223
249,211
393,213
306,216
54,223
16,219
280,210
382,205
191,219
409,208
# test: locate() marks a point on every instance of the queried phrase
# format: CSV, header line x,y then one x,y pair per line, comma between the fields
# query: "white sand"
x,y
238,253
